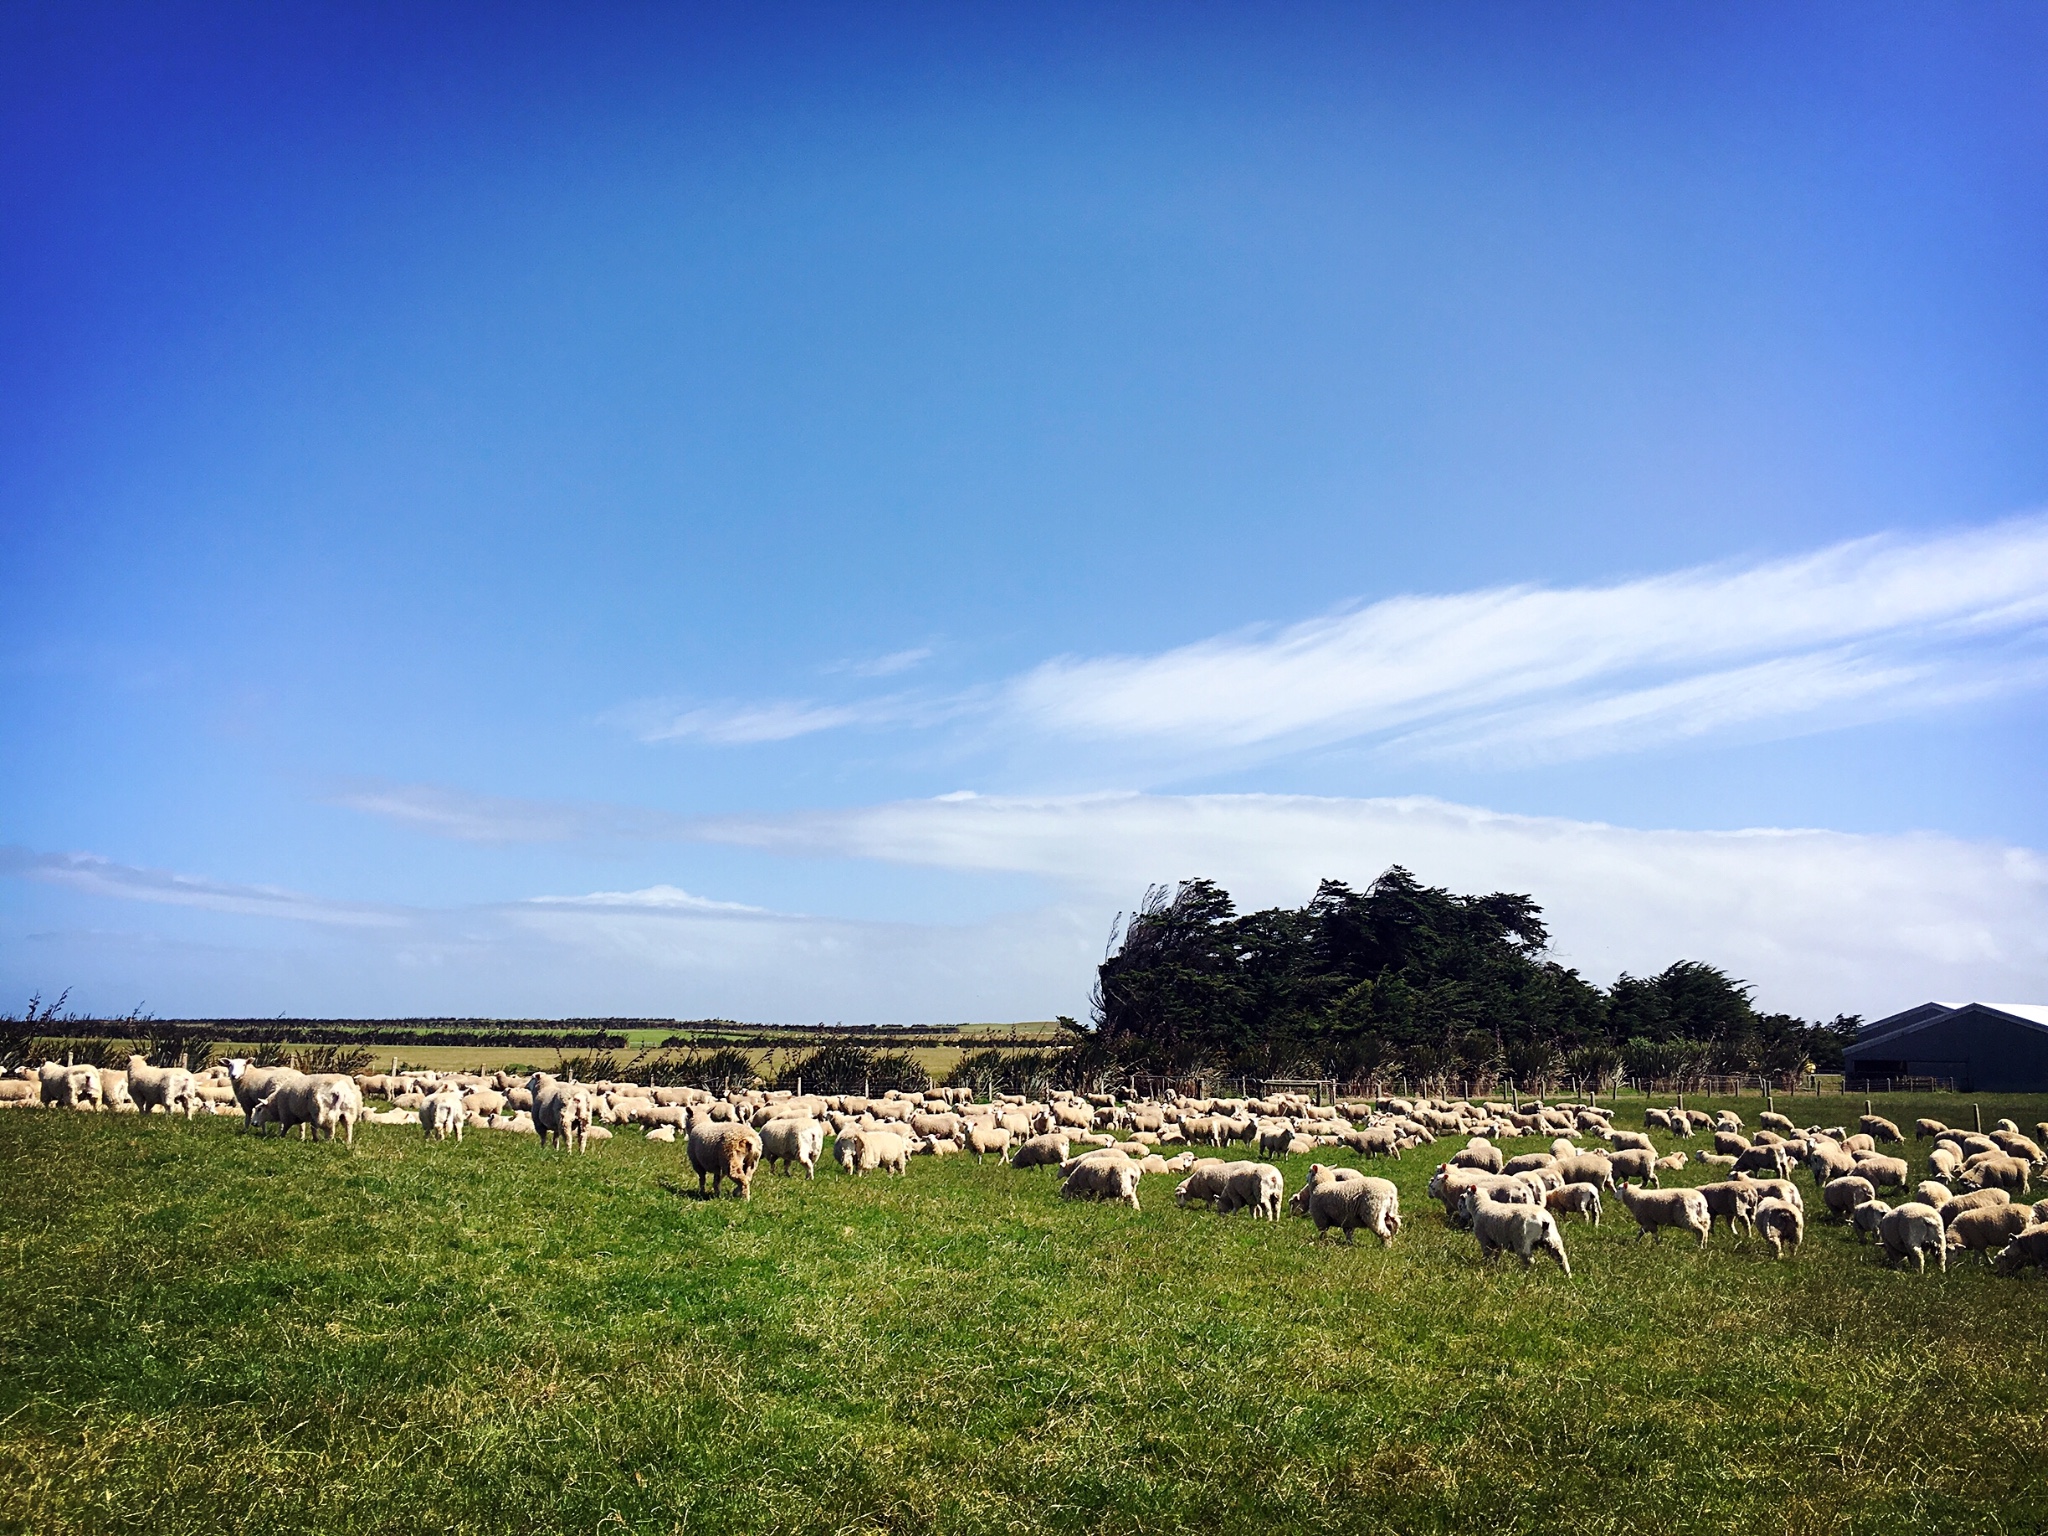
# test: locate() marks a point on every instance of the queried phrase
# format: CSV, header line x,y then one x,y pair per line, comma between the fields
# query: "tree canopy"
x,y
1411,979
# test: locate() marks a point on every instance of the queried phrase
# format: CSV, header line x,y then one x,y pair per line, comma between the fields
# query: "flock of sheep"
x,y
1973,1199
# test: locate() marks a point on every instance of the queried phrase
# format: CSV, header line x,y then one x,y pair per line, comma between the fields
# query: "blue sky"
x,y
803,513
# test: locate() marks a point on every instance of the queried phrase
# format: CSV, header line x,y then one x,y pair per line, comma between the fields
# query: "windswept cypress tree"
x,y
1406,977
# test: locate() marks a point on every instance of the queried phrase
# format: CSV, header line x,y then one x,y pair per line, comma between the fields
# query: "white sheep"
x,y
1843,1195
254,1084
1656,1209
1257,1187
1346,1199
863,1150
791,1142
662,1133
443,1115
169,1089
323,1104
1582,1198
1106,1175
721,1150
1047,1150
984,1137
1780,1224
1912,1229
1522,1230
561,1111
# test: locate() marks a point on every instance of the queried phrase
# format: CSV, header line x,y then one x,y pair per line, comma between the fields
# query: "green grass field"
x,y
200,1331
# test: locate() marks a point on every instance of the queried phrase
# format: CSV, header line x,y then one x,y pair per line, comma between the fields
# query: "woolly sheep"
x,y
1635,1163
1758,1158
1374,1141
253,1084
1912,1229
1988,1228
1843,1195
324,1104
1518,1229
1996,1171
1922,1129
1656,1209
662,1133
1257,1187
1879,1129
1587,1168
1944,1162
1049,1150
1771,1120
70,1086
2029,1247
863,1151
1781,1225
1933,1192
1632,1141
169,1089
1582,1198
1975,1200
443,1116
561,1111
1204,1181
1732,1202
1346,1199
721,1150
1884,1172
983,1138
1102,1176
1480,1154
791,1142
1866,1218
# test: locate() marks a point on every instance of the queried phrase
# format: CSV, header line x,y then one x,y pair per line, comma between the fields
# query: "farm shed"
x,y
1985,1047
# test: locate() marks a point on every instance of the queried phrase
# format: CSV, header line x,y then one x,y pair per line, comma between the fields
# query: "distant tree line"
x,y
1408,980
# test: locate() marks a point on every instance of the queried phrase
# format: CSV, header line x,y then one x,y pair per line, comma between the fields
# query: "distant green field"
x,y
206,1332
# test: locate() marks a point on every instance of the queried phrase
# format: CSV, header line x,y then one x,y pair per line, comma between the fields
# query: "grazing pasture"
x,y
205,1331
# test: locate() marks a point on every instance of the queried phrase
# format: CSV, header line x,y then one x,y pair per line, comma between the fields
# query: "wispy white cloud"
x,y
103,877
466,817
653,898
883,666
1876,625
1871,629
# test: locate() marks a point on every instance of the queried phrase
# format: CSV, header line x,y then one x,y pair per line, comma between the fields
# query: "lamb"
x,y
1975,1200
1671,1164
1884,1172
1102,1176
862,1151
1374,1141
1771,1120
1781,1225
1825,1160
325,1103
1635,1164
1586,1168
1346,1199
1879,1129
1656,1209
1204,1182
1758,1158
662,1133
2030,1247
70,1087
1048,1150
1843,1195
254,1084
1994,1170
1582,1198
1734,1202
1518,1229
1479,1154
1865,1219
792,1141
443,1116
725,1149
169,1089
1254,1186
561,1111
983,1138
1989,1227
1913,1229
